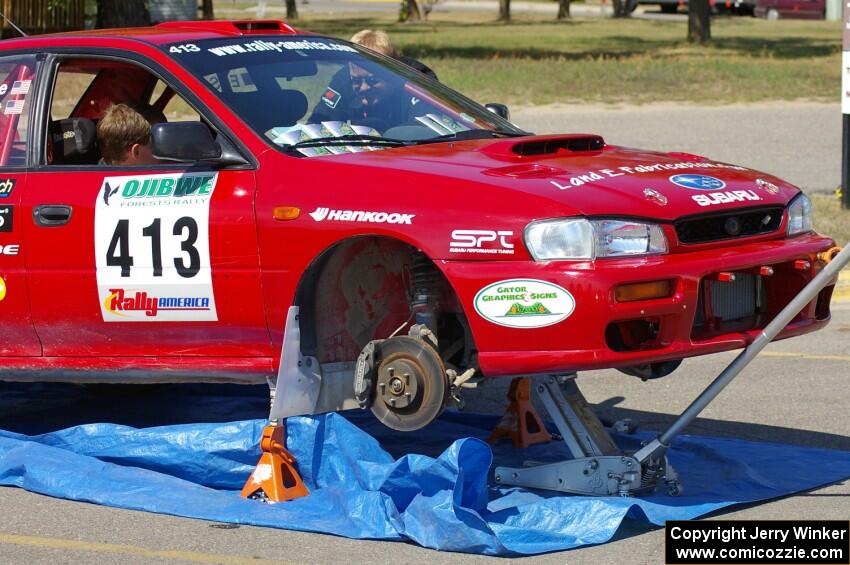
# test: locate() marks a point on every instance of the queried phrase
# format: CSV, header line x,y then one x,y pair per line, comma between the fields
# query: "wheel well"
x,y
361,289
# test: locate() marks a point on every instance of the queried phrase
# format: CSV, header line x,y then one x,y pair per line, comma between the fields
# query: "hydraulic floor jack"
x,y
599,468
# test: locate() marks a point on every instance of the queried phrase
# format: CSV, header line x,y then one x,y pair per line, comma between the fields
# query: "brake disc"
x,y
410,387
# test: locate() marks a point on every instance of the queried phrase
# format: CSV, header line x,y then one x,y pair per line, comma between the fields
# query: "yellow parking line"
x,y
844,358
194,556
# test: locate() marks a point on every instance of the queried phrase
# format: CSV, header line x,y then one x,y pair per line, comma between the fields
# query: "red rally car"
x,y
415,240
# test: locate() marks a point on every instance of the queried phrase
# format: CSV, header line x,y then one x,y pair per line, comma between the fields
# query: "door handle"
x,y
51,215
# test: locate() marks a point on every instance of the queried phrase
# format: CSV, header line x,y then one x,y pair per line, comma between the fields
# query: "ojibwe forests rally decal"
x,y
524,303
152,248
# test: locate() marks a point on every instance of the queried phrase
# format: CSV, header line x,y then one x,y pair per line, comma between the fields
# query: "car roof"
x,y
168,32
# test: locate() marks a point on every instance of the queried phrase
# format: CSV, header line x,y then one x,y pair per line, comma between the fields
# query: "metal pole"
x,y
845,160
809,292
845,107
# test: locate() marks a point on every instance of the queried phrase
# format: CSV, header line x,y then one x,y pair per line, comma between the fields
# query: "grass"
x,y
539,61
830,218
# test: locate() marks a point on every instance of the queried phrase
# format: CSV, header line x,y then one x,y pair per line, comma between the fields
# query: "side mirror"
x,y
500,110
184,142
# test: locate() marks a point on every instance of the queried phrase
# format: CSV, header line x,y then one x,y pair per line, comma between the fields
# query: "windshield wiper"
x,y
342,140
472,134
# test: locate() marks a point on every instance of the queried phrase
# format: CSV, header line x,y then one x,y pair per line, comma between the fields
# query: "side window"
x,y
71,84
175,108
84,91
17,79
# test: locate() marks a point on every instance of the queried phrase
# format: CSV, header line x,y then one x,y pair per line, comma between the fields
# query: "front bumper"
x,y
603,333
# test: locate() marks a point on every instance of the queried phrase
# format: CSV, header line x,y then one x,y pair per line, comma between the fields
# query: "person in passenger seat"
x,y
124,134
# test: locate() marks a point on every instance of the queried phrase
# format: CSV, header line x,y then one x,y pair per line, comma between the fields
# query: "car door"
x,y
17,78
154,260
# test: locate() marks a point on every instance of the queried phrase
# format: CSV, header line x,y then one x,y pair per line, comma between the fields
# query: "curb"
x,y
842,288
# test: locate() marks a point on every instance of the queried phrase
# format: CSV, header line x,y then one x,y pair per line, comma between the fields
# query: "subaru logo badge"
x,y
698,182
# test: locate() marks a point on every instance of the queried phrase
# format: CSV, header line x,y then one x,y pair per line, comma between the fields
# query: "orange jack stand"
x,y
275,477
521,422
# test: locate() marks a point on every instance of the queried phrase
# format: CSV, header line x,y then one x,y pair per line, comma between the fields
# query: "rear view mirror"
x,y
184,142
500,110
293,69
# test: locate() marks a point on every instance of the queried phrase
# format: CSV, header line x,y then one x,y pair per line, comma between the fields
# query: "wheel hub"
x,y
398,383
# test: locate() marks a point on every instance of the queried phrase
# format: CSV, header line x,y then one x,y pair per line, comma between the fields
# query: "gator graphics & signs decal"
x,y
152,248
524,303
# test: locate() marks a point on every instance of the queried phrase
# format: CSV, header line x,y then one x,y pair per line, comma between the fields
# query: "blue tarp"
x,y
367,481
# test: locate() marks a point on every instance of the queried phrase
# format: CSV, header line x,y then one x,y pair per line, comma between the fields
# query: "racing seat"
x,y
72,141
289,106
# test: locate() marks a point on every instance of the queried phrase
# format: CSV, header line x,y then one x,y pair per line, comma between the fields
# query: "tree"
x,y
505,10
122,13
410,11
291,10
623,8
699,21
563,9
207,10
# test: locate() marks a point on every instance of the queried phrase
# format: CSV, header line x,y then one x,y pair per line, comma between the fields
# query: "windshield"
x,y
312,95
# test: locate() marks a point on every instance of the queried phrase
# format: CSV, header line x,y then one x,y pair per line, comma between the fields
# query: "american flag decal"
x,y
20,87
13,107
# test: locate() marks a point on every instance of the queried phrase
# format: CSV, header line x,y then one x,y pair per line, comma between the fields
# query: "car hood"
x,y
581,175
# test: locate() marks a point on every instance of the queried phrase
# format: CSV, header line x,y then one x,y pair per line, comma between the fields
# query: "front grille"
x,y
729,225
734,300
724,307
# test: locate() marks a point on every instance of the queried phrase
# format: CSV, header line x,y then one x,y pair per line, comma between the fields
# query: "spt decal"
x,y
491,242
524,303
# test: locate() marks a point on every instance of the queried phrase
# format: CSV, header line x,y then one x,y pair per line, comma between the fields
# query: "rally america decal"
x,y
152,248
524,303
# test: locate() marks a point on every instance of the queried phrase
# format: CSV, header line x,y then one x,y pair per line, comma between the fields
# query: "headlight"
x,y
799,215
589,239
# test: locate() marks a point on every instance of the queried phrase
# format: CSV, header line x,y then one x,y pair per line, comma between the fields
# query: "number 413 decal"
x,y
152,248
185,227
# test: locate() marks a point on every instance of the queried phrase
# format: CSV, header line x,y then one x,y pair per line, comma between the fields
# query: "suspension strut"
x,y
423,292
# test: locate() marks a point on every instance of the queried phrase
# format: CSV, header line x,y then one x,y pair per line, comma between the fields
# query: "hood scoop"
x,y
544,145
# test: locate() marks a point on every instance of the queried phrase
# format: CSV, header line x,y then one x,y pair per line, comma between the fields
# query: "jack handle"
x,y
835,259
